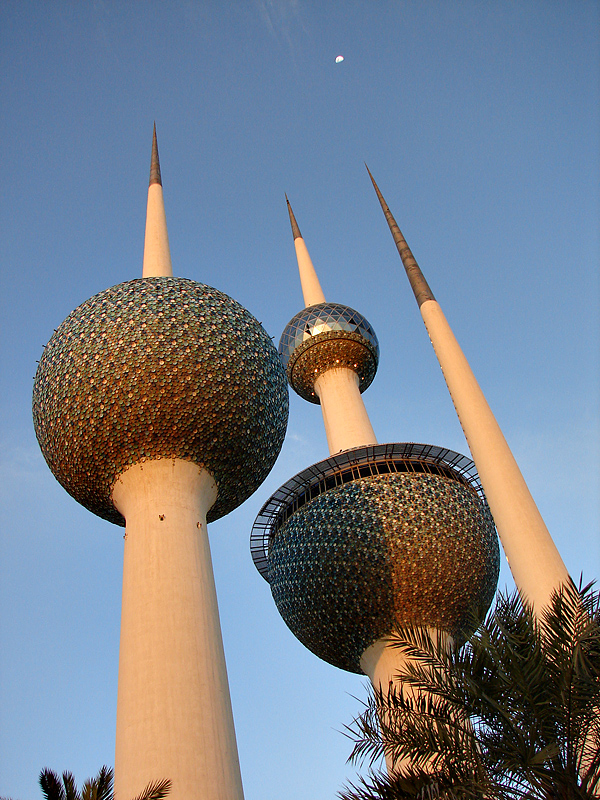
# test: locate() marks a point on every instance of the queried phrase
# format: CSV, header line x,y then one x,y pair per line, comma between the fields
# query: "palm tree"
x,y
98,788
513,714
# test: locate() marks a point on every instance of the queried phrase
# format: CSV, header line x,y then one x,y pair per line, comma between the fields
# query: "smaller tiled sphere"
x,y
160,368
382,551
323,336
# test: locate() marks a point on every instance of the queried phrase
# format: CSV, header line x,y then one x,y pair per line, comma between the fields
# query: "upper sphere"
x,y
324,336
159,368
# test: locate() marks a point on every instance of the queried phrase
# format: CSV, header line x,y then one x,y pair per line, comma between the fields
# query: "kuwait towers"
x,y
161,404
376,535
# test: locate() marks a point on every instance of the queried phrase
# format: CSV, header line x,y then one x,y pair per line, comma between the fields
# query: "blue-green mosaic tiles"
x,y
160,368
323,336
386,550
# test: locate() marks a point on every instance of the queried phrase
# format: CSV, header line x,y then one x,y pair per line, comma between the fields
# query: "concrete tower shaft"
x,y
174,715
331,353
533,558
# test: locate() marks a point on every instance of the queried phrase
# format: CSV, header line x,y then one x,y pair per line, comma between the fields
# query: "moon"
x,y
339,59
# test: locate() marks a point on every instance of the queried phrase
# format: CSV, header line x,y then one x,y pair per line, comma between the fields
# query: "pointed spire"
x,y
157,256
535,562
295,228
417,280
311,288
154,161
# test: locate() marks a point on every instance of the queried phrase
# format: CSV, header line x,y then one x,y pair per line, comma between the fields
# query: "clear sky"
x,y
480,123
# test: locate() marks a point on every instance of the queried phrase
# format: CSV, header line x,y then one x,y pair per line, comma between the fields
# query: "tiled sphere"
x,y
359,559
160,368
323,336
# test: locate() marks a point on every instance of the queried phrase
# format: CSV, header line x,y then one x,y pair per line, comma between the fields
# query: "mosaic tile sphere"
x,y
323,336
359,559
160,368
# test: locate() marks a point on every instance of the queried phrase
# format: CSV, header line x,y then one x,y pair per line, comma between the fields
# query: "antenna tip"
x,y
379,195
155,176
295,229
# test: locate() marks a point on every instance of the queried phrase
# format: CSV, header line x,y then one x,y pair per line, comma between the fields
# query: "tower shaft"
x,y
174,716
347,423
382,662
157,257
534,560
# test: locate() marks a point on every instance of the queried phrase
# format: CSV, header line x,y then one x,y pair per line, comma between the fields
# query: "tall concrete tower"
x,y
161,404
376,535
534,560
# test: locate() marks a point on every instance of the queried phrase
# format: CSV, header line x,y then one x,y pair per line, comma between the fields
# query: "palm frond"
x,y
415,784
364,731
51,785
157,790
71,792
100,787
516,711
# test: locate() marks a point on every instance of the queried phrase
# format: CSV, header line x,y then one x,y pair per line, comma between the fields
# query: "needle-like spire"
x,y
154,161
535,562
295,228
157,256
417,280
311,288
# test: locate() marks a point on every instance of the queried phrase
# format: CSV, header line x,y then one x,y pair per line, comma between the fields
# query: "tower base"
x,y
174,716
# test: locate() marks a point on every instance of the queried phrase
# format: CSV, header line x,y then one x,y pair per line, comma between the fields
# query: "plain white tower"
x,y
534,560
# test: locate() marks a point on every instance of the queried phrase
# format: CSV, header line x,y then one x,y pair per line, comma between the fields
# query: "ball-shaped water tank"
x,y
375,538
160,368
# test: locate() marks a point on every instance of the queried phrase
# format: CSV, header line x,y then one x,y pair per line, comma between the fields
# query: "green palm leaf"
x,y
155,791
51,785
100,787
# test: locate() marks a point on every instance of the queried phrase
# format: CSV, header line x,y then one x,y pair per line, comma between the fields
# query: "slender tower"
x,y
533,558
161,404
376,535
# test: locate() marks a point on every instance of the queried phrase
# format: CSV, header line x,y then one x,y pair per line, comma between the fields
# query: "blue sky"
x,y
480,123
